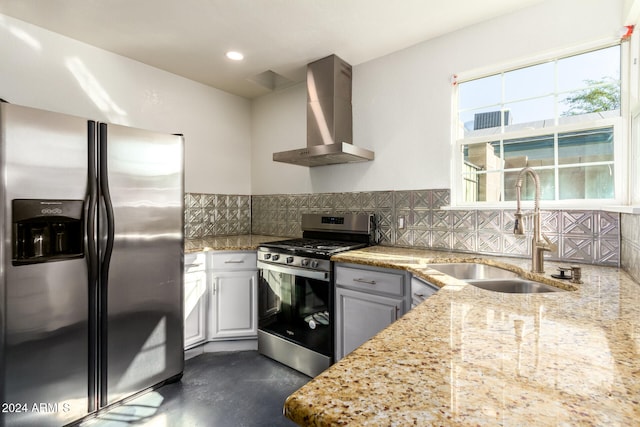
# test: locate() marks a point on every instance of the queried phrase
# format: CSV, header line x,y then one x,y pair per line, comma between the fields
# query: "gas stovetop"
x,y
312,247
323,236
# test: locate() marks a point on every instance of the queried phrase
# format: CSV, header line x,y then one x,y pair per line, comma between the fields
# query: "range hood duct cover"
x,y
329,118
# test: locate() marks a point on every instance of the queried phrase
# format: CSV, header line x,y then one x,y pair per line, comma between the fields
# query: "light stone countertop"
x,y
470,357
240,242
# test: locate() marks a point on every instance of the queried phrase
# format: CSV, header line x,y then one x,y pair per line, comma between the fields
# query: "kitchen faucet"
x,y
539,242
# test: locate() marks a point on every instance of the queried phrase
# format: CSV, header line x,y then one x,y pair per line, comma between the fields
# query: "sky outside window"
x,y
533,93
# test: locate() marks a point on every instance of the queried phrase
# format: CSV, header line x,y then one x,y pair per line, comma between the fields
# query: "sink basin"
x,y
472,271
513,286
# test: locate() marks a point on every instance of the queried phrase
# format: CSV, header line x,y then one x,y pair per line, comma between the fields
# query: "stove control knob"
x,y
304,262
267,256
314,264
289,259
275,257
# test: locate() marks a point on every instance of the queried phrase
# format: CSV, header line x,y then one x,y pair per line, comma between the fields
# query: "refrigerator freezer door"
x,y
142,281
44,349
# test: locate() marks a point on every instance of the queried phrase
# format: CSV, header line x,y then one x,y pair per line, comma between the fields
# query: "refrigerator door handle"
x,y
106,217
91,253
106,199
91,206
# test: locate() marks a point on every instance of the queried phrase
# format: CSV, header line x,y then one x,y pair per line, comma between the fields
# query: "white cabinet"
x,y
233,295
367,300
195,299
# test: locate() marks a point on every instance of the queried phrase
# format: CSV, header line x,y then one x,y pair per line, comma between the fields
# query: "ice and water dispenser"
x,y
46,230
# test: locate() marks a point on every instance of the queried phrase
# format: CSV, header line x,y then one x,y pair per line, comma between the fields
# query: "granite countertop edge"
x,y
467,356
236,242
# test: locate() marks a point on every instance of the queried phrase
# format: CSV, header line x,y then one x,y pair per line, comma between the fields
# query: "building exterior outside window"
x,y
561,117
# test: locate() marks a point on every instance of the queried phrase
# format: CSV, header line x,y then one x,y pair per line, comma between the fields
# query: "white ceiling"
x,y
190,37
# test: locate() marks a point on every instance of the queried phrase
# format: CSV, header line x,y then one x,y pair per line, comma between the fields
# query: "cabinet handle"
x,y
397,311
195,264
234,261
419,295
368,282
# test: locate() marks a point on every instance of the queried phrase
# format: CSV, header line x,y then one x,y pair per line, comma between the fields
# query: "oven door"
x,y
296,304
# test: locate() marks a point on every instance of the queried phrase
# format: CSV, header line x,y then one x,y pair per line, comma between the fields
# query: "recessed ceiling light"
x,y
235,56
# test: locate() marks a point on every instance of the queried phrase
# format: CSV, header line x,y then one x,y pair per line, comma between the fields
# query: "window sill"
x,y
528,205
635,210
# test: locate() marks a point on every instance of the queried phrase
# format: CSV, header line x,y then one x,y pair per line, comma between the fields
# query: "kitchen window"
x,y
561,117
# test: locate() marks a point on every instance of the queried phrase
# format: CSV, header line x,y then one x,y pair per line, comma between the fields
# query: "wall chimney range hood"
x,y
329,122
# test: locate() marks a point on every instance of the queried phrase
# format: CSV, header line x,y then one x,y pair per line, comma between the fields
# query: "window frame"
x,y
621,132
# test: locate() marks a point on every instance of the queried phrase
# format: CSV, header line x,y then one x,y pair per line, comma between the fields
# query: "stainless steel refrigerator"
x,y
91,264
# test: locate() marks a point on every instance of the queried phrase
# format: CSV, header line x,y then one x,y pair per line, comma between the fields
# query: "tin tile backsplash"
x,y
630,247
414,219
216,215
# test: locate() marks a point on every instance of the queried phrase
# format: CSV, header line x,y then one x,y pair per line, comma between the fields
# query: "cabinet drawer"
x,y
233,260
194,262
370,281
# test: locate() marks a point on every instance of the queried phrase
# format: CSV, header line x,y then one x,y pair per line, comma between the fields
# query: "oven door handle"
x,y
296,271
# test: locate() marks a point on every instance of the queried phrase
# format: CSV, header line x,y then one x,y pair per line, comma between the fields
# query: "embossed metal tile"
x,y
630,258
464,241
367,201
441,220
422,199
386,236
549,221
384,218
315,202
196,215
422,219
208,200
489,242
630,228
587,236
577,222
516,245
440,198
403,199
608,252
441,239
508,221
404,238
463,220
384,199
422,238
578,248
608,224
490,220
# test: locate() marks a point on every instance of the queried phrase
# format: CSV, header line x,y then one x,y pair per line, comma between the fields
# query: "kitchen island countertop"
x,y
467,356
238,242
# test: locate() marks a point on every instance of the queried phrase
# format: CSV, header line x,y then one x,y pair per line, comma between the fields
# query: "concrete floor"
x,y
217,390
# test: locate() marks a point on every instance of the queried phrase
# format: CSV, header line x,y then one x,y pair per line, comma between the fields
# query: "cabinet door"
x,y
359,316
195,307
421,290
234,306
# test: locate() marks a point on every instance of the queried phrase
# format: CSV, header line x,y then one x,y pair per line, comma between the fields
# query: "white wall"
x,y
402,102
45,70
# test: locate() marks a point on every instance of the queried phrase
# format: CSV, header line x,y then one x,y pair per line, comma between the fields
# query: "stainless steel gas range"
x,y
296,290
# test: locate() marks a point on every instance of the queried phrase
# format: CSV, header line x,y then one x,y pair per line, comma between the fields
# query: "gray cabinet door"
x,y
234,306
359,316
